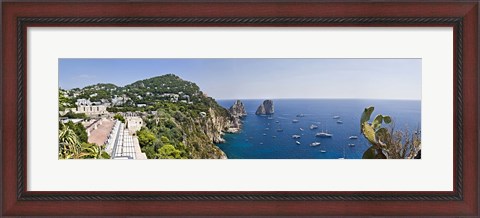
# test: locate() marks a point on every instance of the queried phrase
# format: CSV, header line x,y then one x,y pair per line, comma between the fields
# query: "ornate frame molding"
x,y
23,195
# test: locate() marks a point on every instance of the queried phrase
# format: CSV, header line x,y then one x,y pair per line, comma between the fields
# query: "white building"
x,y
119,100
134,124
93,110
83,102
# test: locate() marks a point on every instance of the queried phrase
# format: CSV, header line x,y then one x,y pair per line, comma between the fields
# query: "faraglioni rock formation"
x,y
238,110
266,108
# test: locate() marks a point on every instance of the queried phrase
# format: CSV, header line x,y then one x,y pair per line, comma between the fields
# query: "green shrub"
x,y
119,117
79,130
145,137
168,151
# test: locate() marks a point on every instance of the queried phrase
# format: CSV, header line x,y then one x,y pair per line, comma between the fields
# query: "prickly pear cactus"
x,y
375,134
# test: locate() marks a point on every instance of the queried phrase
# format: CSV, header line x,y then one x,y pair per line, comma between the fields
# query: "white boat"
x,y
301,129
323,151
279,130
313,126
277,121
336,117
264,134
323,135
295,136
294,121
351,145
339,122
267,128
313,144
353,137
297,142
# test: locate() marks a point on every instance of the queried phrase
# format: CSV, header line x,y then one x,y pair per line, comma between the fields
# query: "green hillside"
x,y
181,121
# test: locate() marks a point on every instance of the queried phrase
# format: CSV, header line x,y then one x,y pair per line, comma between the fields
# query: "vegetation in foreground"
x,y
386,142
73,143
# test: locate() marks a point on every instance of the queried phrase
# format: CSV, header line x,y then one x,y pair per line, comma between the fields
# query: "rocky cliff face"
x,y
213,127
266,108
237,109
216,125
208,131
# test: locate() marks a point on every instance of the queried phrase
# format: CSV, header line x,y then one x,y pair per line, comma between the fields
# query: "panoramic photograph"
x,y
239,108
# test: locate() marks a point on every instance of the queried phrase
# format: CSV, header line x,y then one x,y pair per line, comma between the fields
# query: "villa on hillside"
x,y
93,110
134,123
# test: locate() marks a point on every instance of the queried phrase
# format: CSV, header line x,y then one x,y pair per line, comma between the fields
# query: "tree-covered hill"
x,y
168,83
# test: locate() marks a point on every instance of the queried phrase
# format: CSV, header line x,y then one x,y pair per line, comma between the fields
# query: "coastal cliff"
x,y
266,108
193,134
214,125
190,128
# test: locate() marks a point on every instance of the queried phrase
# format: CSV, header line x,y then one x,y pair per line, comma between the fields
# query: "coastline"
x,y
259,138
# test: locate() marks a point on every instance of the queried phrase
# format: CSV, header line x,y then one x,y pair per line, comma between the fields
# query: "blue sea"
x,y
260,137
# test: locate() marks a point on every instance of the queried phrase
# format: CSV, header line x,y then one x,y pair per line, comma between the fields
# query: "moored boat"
x,y
324,135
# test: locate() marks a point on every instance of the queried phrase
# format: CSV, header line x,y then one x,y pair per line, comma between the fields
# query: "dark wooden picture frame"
x,y
18,16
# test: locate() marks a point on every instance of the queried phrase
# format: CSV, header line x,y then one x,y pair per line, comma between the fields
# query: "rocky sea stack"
x,y
266,108
238,110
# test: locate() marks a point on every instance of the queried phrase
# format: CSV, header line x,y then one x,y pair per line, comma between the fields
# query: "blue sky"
x,y
260,78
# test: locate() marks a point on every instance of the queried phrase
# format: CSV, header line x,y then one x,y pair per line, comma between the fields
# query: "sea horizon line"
x,y
389,99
